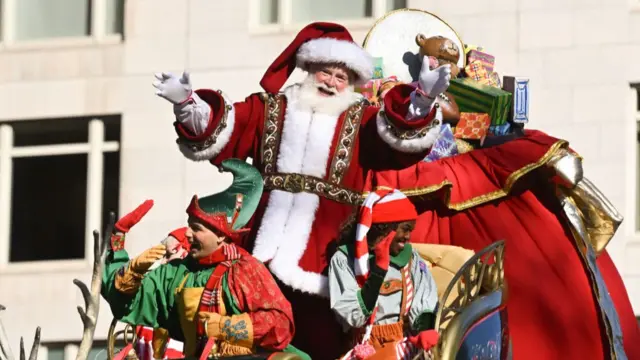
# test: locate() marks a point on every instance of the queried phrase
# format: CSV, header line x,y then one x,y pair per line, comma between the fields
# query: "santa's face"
x,y
327,89
331,79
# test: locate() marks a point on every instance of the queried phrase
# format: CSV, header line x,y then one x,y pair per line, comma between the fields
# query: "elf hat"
x,y
319,42
380,206
230,210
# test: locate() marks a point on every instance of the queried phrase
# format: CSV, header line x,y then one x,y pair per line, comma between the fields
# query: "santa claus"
x,y
314,143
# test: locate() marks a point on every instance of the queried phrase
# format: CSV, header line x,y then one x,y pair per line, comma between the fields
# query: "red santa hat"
x,y
319,42
380,206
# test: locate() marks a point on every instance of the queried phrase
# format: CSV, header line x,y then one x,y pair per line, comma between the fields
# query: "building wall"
x,y
579,54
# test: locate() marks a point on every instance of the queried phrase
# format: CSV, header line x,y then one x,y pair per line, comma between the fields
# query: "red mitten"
x,y
425,340
381,251
128,221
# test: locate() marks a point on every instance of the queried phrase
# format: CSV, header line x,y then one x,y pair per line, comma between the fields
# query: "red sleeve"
x,y
233,130
256,293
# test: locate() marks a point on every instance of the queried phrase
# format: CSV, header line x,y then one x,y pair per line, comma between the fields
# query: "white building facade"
x,y
82,133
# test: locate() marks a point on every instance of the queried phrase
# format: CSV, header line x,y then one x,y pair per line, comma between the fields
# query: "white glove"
x,y
175,90
434,82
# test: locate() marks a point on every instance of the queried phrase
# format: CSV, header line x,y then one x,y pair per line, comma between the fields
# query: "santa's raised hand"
x,y
434,82
175,89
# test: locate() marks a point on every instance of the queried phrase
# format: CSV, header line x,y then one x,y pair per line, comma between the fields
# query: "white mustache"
x,y
326,88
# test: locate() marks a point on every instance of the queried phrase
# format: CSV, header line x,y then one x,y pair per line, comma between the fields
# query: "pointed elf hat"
x,y
380,206
319,42
229,211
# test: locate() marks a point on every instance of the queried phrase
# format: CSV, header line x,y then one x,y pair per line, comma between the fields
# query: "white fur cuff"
x,y
216,142
414,145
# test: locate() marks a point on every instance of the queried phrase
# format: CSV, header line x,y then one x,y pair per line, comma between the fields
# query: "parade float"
x,y
480,109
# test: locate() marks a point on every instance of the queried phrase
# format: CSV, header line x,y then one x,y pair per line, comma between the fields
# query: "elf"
x,y
387,299
219,300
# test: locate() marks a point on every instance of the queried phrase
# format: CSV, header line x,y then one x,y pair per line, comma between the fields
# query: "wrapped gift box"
x,y
519,88
476,71
472,126
444,146
473,97
487,60
372,87
378,73
500,130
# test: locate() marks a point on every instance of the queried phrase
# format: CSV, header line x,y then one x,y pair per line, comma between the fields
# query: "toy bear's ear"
x,y
420,38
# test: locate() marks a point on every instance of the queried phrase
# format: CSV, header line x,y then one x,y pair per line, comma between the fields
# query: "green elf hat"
x,y
230,210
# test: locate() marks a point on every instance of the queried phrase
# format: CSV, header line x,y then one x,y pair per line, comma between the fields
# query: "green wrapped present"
x,y
473,97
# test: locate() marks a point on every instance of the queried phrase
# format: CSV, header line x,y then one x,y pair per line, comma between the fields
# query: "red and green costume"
x,y
254,315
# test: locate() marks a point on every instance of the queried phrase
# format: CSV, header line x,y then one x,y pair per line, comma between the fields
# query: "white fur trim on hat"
x,y
328,50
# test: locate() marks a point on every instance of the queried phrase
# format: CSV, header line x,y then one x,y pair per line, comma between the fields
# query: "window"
x,y
45,19
286,12
61,351
59,179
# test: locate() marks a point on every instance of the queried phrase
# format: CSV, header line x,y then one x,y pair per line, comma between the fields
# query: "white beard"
x,y
309,98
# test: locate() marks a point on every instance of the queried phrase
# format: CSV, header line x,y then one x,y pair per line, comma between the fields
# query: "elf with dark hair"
x,y
219,300
380,288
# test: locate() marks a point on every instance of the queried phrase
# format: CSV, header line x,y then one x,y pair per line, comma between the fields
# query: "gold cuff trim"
x,y
235,330
128,281
413,133
211,140
484,198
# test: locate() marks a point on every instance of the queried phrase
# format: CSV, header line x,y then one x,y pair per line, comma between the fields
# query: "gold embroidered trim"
x,y
344,150
296,183
211,140
408,134
484,198
272,130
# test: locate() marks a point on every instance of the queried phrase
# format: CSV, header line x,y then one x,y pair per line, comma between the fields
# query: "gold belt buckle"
x,y
294,183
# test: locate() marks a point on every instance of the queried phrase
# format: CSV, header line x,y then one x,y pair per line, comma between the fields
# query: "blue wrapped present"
x,y
444,146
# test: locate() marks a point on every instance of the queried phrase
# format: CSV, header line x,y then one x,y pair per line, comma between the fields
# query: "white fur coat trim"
x,y
327,50
284,232
411,145
222,139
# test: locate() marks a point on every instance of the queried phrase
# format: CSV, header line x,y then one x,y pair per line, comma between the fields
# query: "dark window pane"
x,y
111,186
50,132
111,128
55,352
48,208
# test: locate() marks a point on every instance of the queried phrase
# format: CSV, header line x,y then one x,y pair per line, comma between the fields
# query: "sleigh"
x,y
471,319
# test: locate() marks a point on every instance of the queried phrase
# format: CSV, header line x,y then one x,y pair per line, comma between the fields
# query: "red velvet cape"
x,y
505,192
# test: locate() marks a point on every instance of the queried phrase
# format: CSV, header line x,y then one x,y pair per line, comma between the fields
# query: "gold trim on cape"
x,y
490,196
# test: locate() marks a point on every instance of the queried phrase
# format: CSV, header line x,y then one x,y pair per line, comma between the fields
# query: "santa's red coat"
x,y
295,233
506,193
